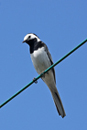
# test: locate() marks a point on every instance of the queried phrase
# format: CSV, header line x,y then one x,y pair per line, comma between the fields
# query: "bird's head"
x,y
30,38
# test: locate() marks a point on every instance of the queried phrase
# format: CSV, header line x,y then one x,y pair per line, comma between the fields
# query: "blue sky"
x,y
62,25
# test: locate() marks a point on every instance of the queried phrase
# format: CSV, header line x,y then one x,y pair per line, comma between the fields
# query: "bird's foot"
x,y
35,81
43,75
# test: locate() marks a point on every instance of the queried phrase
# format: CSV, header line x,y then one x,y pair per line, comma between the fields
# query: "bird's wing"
x,y
51,61
42,44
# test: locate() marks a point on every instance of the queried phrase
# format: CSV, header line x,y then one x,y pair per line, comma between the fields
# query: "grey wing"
x,y
49,55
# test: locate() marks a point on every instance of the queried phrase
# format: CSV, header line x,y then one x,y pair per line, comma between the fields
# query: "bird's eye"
x,y
29,37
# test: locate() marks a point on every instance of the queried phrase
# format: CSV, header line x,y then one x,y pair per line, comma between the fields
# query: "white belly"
x,y
40,60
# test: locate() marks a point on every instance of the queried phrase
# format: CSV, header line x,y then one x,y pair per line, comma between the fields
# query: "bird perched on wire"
x,y
42,59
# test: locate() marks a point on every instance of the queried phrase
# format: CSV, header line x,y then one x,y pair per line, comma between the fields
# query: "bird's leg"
x,y
35,81
43,74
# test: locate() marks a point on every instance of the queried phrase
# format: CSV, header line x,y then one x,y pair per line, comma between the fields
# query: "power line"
x,y
8,100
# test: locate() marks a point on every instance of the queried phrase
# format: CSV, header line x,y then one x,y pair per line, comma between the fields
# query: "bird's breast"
x,y
40,60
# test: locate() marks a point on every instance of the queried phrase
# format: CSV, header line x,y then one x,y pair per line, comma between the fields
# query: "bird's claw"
x,y
35,81
43,74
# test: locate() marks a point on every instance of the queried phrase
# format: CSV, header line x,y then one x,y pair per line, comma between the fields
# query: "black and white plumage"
x,y
42,59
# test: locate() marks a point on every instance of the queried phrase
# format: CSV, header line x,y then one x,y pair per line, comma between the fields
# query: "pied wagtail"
x,y
42,59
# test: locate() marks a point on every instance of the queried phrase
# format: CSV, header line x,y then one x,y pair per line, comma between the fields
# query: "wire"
x,y
8,100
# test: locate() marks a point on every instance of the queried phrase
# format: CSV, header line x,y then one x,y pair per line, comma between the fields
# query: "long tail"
x,y
58,103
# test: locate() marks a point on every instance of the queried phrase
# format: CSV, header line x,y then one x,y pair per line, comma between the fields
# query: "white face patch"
x,y
31,36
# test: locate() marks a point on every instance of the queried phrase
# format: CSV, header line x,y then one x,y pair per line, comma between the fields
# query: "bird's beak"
x,y
23,41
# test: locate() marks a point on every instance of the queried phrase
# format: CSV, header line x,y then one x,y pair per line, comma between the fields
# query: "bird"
x,y
42,59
